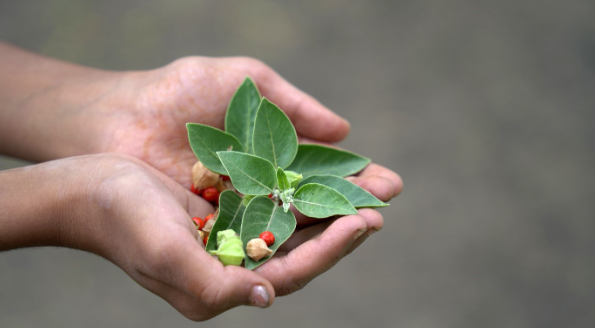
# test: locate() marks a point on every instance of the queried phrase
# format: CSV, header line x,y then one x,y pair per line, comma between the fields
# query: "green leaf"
x,y
274,136
293,178
206,141
230,215
241,113
282,180
261,215
316,159
357,196
319,201
250,175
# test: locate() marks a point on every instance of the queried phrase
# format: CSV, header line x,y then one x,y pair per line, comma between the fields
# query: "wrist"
x,y
48,100
35,201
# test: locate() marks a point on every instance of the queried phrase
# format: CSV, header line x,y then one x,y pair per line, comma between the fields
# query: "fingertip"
x,y
374,169
379,186
373,218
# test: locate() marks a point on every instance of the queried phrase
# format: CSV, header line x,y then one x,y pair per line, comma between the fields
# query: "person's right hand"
x,y
122,209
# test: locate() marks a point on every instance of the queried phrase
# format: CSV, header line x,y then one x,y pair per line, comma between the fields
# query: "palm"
x,y
152,108
170,97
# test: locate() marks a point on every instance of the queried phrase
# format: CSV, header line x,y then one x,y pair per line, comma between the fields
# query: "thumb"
x,y
231,286
198,285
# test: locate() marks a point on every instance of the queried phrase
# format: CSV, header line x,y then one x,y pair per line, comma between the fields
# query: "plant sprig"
x,y
261,155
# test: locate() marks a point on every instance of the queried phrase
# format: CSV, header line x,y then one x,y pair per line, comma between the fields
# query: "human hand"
x,y
131,214
145,115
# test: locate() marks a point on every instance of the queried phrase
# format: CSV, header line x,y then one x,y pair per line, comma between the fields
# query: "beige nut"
x,y
223,185
209,225
257,249
201,235
202,177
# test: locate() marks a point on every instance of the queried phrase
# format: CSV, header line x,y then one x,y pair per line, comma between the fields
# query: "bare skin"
x,y
51,109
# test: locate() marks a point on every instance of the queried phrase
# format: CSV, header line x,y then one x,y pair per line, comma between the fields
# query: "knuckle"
x,y
255,67
213,297
290,287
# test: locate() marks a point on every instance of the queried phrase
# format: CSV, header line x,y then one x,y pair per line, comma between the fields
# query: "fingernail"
x,y
259,297
359,233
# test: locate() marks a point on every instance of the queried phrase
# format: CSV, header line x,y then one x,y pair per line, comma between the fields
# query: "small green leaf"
x,y
251,175
230,216
206,141
241,113
274,136
262,215
357,196
293,178
282,179
316,159
319,201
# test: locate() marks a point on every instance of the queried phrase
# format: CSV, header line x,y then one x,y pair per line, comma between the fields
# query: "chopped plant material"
x,y
257,171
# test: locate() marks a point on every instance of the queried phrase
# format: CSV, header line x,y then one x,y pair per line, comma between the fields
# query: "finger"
x,y
379,181
310,118
374,223
302,235
309,259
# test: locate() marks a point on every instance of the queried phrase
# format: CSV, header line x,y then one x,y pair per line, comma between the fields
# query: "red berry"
x,y
208,217
210,194
268,237
206,239
225,178
193,190
200,223
271,196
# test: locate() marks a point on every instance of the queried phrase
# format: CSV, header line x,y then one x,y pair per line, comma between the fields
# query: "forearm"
x,y
40,99
34,202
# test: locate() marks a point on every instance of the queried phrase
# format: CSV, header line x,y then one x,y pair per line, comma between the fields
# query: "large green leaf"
x,y
241,113
261,215
206,141
319,201
274,136
316,159
231,211
357,196
250,175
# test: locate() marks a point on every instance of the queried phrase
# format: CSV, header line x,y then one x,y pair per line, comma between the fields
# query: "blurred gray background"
x,y
485,108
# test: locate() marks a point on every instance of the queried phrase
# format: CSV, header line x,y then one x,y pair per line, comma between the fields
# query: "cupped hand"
x,y
146,114
140,219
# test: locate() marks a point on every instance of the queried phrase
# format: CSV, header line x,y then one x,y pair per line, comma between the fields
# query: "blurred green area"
x,y
485,108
